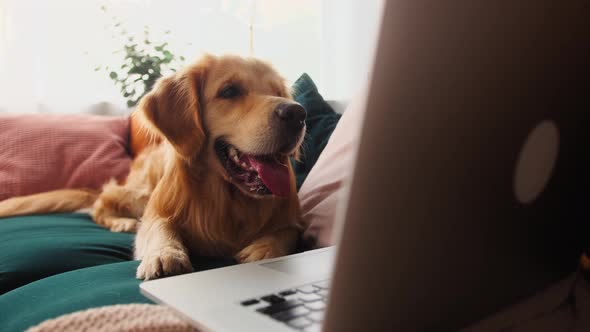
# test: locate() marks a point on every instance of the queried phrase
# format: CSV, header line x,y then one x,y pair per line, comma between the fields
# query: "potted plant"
x,y
143,62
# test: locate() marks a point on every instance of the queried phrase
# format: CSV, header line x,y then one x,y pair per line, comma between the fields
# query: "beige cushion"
x,y
319,194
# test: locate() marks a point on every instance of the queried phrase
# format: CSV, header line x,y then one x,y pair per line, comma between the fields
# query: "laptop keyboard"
x,y
300,308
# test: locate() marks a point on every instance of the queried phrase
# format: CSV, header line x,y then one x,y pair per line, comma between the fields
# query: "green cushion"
x,y
321,122
78,290
68,292
34,247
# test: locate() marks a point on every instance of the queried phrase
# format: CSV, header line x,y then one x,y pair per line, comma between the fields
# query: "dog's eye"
x,y
229,92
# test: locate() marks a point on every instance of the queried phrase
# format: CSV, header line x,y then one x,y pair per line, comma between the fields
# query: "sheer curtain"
x,y
49,49
349,30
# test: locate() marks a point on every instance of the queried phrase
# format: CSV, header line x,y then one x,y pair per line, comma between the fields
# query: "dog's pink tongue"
x,y
273,174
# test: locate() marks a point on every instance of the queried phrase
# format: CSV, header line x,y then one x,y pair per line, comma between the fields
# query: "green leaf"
x,y
167,57
131,103
181,58
113,75
97,68
160,48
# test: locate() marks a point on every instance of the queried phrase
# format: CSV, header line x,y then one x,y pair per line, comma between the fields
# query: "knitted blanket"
x,y
123,318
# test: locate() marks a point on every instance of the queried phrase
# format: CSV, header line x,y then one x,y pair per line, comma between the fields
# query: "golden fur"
x,y
178,188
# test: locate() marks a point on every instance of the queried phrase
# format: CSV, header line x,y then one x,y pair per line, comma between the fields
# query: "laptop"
x,y
462,200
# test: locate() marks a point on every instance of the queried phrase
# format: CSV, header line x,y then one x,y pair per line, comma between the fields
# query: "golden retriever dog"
x,y
218,184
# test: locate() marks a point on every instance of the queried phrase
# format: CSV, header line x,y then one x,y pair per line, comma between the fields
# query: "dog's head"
x,y
236,112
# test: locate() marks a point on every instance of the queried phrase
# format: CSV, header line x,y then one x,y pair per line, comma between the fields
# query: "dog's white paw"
x,y
127,225
258,251
169,261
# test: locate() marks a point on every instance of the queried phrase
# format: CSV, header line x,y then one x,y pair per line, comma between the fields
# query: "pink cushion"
x,y
321,191
40,152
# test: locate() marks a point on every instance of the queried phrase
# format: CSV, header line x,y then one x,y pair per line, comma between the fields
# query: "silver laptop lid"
x,y
462,196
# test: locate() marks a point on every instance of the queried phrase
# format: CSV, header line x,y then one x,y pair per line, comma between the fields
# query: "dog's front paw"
x,y
169,261
258,251
127,225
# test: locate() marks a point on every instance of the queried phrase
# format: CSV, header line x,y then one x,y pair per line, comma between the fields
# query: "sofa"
x,y
55,264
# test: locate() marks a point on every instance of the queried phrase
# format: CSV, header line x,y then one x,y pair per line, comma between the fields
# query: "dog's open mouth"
x,y
258,175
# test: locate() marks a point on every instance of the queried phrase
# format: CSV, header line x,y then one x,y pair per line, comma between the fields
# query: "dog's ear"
x,y
173,108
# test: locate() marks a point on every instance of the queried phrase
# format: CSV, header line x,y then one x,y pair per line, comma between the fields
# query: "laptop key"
x,y
323,293
309,297
316,305
272,299
299,323
249,302
307,289
287,292
323,284
316,316
278,307
315,327
289,314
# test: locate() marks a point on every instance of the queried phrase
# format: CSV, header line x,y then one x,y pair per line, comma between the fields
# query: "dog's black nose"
x,y
291,115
